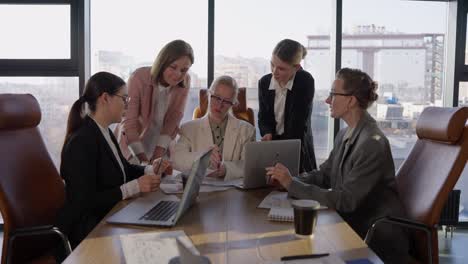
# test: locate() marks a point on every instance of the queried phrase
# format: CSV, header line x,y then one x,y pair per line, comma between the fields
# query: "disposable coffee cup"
x,y
305,216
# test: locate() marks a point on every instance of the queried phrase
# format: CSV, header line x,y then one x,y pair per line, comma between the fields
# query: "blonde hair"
x,y
228,81
171,52
290,51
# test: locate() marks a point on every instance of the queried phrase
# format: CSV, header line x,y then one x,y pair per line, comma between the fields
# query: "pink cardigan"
x,y
141,110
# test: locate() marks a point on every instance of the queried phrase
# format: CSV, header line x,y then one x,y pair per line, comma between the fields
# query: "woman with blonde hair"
x,y
285,99
158,95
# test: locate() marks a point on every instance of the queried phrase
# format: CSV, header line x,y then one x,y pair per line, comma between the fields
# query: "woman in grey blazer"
x,y
358,178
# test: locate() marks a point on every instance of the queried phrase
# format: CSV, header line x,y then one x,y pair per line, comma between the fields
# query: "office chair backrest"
x,y
239,110
31,190
434,165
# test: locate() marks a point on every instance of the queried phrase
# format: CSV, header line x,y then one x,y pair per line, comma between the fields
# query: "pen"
x,y
304,256
160,161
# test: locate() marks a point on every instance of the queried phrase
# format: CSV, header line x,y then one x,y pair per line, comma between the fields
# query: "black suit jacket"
x,y
297,116
93,178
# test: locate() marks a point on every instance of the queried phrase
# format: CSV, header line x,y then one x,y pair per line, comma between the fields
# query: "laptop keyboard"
x,y
161,211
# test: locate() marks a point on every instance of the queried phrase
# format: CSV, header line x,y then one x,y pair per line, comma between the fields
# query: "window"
x,y
35,31
463,94
55,96
246,33
411,76
137,30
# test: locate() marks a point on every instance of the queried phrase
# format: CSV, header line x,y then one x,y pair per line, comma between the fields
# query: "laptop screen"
x,y
194,181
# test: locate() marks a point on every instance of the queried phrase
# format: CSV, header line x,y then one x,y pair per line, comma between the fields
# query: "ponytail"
x,y
75,118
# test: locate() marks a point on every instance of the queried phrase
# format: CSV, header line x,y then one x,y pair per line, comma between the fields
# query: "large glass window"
x,y
35,31
405,56
246,33
55,96
136,30
463,94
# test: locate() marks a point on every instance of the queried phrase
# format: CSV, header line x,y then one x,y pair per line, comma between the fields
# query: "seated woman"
x,y
358,178
95,172
219,130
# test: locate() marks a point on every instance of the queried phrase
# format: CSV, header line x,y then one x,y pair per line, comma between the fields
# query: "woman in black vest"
x,y
285,98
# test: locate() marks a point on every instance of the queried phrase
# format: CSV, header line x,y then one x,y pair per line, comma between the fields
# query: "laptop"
x,y
158,209
262,154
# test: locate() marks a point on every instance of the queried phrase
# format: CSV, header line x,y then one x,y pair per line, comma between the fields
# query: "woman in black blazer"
x,y
285,98
96,174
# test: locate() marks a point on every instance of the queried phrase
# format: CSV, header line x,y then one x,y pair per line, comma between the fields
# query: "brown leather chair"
x,y
31,190
240,110
429,174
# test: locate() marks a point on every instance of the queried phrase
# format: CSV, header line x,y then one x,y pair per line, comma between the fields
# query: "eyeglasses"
x,y
125,98
221,100
333,94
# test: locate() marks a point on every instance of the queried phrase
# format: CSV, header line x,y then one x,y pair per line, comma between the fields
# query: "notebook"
x,y
281,214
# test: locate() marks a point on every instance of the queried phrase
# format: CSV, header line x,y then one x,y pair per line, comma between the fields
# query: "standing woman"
x,y
285,97
158,98
96,174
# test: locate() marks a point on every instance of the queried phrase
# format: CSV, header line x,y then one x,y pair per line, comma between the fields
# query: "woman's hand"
x,y
158,152
149,183
142,157
219,173
281,174
215,158
267,137
160,165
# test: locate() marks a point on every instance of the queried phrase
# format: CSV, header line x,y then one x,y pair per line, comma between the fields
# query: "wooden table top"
x,y
228,227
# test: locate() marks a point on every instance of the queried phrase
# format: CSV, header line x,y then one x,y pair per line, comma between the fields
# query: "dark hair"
x,y
359,84
99,83
171,52
290,51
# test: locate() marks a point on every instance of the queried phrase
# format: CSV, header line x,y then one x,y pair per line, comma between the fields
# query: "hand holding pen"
x,y
160,165
216,163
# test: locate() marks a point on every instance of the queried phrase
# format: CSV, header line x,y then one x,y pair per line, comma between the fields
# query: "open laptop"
x,y
262,154
164,210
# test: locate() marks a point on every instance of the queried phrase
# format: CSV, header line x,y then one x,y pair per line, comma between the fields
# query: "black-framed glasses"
x,y
333,94
221,100
125,98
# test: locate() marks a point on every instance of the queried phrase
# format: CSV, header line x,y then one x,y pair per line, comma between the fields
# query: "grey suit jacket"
x,y
357,179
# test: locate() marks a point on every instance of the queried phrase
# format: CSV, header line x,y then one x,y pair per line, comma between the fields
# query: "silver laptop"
x,y
262,154
164,210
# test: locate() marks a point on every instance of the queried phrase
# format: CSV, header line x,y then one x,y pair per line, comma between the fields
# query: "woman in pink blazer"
x,y
158,95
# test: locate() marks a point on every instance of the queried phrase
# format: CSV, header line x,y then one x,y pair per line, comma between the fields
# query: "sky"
x,y
247,28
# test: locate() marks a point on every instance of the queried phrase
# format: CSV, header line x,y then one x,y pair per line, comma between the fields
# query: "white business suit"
x,y
196,137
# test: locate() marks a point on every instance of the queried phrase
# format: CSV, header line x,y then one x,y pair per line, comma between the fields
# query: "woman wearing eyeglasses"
x,y
158,98
95,172
358,178
219,130
285,98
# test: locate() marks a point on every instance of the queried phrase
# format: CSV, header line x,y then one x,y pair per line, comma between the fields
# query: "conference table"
x,y
227,227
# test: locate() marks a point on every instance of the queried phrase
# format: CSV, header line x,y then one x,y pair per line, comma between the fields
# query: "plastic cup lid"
x,y
305,204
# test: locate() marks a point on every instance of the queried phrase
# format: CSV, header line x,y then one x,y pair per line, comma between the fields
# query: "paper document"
x,y
279,200
176,188
153,247
220,182
332,259
276,199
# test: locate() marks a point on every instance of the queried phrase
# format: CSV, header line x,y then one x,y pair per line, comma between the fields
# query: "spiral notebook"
x,y
281,214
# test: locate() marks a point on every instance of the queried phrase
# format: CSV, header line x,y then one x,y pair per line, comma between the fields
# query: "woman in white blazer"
x,y
219,130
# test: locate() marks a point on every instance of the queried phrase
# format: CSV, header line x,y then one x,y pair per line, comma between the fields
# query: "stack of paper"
x,y
153,247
